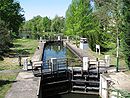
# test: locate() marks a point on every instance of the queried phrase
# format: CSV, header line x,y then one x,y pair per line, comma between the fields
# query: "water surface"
x,y
57,50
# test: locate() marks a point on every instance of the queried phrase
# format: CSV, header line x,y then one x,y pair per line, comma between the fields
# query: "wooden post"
x,y
98,68
19,60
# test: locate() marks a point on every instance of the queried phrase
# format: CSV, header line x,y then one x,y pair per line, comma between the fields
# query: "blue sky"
x,y
48,8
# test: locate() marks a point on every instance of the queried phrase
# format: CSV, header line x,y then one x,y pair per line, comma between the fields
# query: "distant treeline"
x,y
38,26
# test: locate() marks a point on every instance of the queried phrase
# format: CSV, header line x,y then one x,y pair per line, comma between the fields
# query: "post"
x,y
40,39
19,60
107,60
85,64
54,64
59,38
67,38
98,68
117,55
25,65
98,49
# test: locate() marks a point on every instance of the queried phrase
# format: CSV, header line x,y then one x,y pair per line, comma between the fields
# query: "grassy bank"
x,y
5,83
21,47
111,52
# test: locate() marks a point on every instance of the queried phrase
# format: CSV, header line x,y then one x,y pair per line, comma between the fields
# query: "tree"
x,y
57,24
10,12
4,38
126,31
112,10
73,19
36,26
46,24
81,20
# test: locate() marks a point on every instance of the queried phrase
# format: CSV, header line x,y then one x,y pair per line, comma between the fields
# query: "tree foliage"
x,y
57,24
10,21
126,32
39,25
10,12
4,38
81,21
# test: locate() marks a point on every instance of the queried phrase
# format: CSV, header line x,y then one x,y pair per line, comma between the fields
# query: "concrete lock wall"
x,y
103,89
85,63
54,64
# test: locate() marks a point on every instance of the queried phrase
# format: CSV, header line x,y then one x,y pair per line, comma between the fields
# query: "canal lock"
x,y
68,79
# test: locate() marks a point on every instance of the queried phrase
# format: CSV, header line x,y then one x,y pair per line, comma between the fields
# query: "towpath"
x,y
80,52
26,86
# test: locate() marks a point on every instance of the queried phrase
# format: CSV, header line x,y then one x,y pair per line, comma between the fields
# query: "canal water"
x,y
57,50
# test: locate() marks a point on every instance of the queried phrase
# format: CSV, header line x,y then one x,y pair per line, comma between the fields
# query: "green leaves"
x,y
10,12
57,24
10,21
4,38
126,32
81,20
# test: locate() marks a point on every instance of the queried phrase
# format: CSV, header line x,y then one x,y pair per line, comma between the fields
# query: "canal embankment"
x,y
80,53
26,84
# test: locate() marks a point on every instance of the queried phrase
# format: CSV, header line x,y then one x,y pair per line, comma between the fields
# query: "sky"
x,y
49,8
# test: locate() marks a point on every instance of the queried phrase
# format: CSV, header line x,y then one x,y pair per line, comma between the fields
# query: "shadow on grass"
x,y
5,82
17,45
19,52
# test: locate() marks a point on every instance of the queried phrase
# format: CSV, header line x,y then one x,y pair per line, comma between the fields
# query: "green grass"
x,y
22,47
111,52
25,46
5,83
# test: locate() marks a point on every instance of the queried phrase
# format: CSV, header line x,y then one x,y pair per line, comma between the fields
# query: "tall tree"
x,y
57,24
4,38
126,32
10,12
46,24
80,20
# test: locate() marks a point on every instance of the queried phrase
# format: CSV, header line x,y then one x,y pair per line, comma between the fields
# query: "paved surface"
x,y
11,71
26,86
119,80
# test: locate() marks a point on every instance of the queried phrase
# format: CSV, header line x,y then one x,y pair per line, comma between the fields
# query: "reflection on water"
x,y
71,95
55,50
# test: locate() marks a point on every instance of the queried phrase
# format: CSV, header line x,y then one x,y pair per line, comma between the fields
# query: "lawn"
x,y
111,52
5,83
22,47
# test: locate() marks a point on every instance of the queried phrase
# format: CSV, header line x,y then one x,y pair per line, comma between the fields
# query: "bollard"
x,y
107,60
25,65
67,38
40,39
54,64
85,64
59,38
